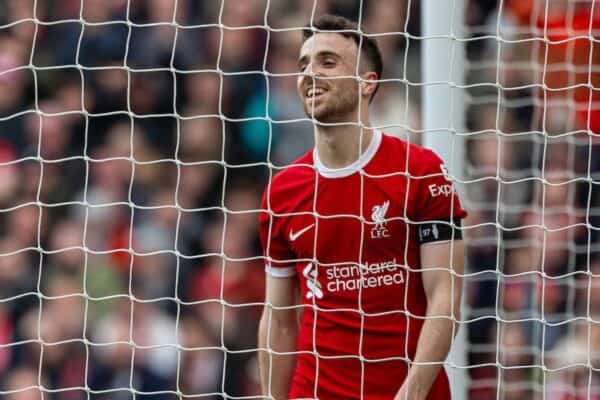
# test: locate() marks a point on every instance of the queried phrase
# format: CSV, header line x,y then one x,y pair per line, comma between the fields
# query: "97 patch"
x,y
440,231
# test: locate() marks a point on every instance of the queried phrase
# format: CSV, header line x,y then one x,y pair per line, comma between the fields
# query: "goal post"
x,y
443,116
442,68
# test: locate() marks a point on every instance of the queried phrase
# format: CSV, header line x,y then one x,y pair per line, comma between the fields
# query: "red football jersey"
x,y
351,237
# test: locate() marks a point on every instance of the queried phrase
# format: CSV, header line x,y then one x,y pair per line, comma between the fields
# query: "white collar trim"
x,y
356,166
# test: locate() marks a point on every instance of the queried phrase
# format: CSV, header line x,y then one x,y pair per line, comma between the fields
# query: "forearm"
x,y
276,335
432,348
443,290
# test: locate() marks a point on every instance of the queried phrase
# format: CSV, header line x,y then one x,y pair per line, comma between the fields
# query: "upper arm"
x,y
281,280
281,292
280,298
278,256
442,268
438,216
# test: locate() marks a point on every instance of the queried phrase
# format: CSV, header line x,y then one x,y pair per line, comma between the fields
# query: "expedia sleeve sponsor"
x,y
436,199
440,231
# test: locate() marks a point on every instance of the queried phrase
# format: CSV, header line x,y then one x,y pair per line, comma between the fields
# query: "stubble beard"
x,y
341,106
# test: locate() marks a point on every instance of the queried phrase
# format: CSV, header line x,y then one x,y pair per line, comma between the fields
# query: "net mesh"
x,y
136,138
533,159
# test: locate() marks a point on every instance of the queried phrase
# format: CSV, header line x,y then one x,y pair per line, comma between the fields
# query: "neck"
x,y
340,145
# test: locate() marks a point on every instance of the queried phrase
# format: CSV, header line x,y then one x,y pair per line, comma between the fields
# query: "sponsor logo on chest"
x,y
350,278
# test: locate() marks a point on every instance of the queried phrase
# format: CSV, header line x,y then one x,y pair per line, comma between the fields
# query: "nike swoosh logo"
x,y
294,236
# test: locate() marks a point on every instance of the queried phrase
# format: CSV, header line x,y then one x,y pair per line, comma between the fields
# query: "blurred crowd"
x,y
133,157
534,199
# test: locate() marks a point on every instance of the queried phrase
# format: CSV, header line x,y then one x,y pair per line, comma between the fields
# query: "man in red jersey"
x,y
360,237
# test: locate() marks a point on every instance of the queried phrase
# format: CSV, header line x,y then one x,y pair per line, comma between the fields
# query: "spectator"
x,y
23,384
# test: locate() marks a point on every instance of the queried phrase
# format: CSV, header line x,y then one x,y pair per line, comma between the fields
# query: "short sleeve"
x,y
437,199
276,251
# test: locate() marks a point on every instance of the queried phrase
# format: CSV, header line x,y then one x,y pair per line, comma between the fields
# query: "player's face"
x,y
324,56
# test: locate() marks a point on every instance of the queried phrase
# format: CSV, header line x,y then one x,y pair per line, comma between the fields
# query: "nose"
x,y
309,68
310,74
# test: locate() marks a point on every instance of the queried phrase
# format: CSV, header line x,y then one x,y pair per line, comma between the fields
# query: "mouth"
x,y
314,92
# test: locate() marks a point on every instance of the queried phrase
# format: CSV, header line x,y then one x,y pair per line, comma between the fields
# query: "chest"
x,y
353,219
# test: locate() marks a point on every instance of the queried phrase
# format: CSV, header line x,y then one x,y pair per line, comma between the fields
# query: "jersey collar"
x,y
356,166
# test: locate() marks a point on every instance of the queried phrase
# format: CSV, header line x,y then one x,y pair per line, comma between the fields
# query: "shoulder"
x,y
417,158
293,175
425,161
288,183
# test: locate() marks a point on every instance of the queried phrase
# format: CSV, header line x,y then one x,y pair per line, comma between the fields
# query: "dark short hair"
x,y
347,28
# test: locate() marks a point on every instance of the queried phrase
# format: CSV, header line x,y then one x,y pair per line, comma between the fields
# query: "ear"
x,y
368,83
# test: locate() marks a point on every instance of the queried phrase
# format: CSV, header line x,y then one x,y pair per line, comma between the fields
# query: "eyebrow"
x,y
321,54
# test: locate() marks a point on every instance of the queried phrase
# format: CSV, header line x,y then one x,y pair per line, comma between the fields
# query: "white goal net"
x,y
137,136
533,163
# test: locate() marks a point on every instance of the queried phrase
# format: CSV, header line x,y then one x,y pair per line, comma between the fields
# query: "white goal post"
x,y
443,115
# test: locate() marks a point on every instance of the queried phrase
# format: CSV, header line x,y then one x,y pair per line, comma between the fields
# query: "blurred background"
x,y
130,131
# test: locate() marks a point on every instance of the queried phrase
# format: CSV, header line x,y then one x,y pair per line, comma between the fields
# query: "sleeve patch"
x,y
440,231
